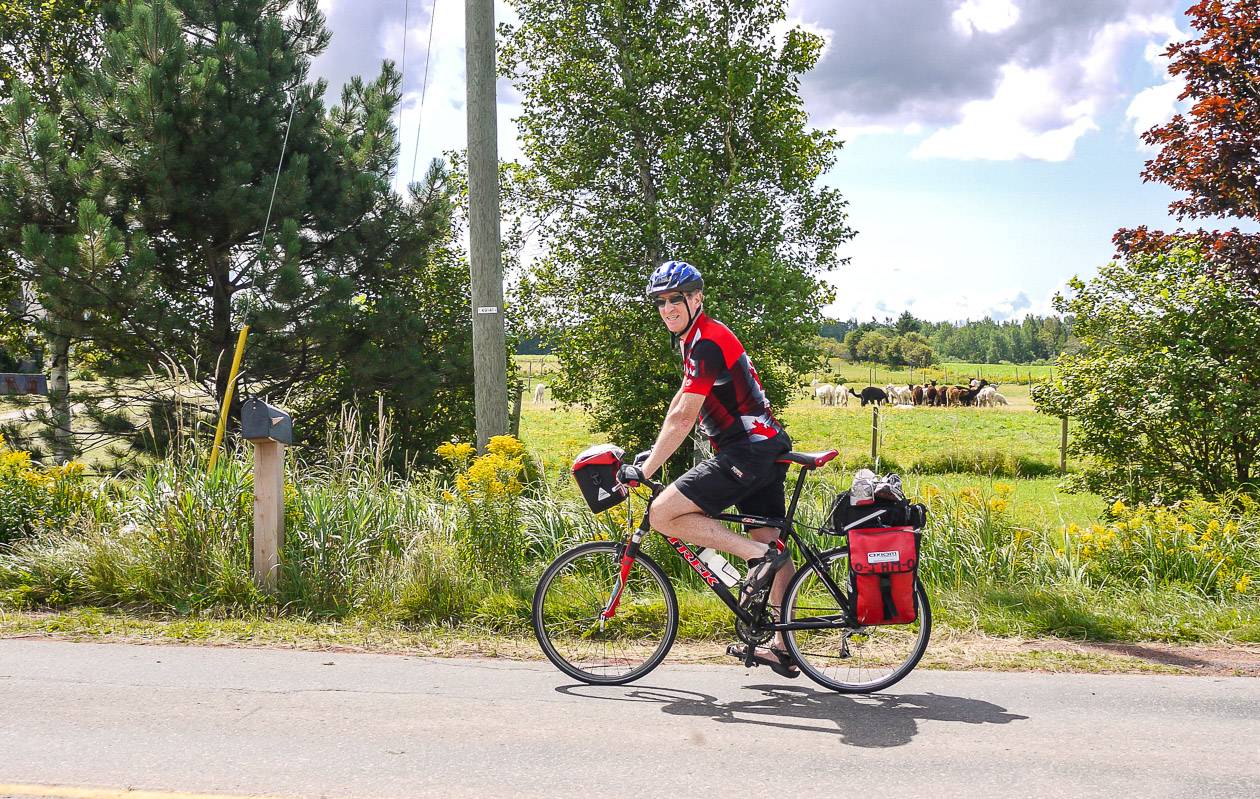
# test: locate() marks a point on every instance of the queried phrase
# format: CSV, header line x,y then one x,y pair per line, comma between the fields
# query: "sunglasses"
x,y
661,302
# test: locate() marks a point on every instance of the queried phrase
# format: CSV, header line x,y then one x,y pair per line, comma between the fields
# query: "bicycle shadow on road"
x,y
877,720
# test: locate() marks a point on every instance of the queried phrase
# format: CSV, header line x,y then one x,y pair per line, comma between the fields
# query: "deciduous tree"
x,y
1212,152
1162,391
656,130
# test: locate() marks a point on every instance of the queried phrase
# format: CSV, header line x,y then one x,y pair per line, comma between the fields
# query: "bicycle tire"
x,y
570,634
881,662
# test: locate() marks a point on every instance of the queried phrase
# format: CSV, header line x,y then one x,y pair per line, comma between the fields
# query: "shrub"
x,y
33,498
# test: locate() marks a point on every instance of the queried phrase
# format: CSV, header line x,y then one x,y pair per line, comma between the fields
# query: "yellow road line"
x,y
71,792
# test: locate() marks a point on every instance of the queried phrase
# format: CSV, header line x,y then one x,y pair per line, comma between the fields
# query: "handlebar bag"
x,y
595,470
883,562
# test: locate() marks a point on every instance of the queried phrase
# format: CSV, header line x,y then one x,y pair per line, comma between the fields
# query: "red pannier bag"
x,y
883,562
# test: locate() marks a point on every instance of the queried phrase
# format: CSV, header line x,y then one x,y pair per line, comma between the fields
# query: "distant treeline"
x,y
1032,339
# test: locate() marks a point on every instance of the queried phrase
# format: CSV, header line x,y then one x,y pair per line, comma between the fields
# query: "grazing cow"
x,y
871,394
539,391
929,393
916,394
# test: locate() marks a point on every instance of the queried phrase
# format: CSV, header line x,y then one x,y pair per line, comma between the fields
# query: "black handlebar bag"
x,y
595,470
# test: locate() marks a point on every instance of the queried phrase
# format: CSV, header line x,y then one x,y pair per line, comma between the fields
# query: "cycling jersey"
x,y
715,366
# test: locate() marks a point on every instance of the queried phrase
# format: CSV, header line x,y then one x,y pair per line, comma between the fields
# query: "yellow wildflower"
x,y
1003,490
1243,582
455,452
506,446
1118,507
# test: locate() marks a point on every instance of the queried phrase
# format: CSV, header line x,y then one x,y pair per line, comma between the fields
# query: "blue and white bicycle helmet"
x,y
674,276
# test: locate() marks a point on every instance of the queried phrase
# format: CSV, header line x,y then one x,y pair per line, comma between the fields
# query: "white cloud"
x,y
1157,104
984,16
1041,112
1013,123
867,302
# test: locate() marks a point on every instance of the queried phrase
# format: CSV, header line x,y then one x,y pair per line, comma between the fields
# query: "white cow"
x,y
539,391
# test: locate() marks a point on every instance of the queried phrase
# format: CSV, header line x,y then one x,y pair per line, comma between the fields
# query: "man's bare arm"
x,y
684,409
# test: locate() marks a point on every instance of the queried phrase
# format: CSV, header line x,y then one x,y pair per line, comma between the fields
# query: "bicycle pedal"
x,y
744,654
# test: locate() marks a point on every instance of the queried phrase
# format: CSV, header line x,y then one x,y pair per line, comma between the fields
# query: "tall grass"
x,y
465,545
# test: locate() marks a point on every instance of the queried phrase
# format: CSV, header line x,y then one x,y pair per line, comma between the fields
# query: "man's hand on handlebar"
x,y
631,475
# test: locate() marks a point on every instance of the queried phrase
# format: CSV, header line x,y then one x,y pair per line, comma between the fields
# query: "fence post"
x,y
875,431
1063,447
268,512
516,409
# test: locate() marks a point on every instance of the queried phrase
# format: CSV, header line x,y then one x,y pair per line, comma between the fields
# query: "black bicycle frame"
x,y
787,532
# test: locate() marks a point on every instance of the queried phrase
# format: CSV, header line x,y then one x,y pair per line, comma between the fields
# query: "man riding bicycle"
x,y
721,389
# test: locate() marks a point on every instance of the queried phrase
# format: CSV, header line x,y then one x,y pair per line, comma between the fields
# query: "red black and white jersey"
x,y
715,366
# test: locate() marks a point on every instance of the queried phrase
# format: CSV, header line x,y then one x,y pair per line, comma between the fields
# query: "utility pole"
x,y
485,262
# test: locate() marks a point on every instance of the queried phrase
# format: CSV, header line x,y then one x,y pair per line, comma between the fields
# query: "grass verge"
x,y
951,648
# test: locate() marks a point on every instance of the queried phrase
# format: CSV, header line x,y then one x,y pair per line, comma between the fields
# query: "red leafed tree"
x,y
1212,153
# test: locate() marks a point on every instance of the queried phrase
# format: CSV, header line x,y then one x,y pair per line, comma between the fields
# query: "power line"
x,y
402,70
424,88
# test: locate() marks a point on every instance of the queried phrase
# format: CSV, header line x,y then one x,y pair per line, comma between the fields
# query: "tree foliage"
x,y
1212,153
1161,393
1033,338
657,130
142,201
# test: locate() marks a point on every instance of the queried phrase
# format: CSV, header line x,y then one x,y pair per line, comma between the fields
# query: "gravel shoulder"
x,y
950,649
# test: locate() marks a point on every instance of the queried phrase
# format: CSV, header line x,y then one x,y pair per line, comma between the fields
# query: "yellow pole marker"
x,y
227,397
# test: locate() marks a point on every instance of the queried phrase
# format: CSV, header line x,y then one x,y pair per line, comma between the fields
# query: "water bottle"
x,y
720,566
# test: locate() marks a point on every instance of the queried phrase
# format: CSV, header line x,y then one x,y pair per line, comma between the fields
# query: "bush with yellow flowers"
x,y
35,498
1211,547
488,487
971,538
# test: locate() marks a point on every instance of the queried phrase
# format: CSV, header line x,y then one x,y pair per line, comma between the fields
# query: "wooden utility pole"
x,y
485,263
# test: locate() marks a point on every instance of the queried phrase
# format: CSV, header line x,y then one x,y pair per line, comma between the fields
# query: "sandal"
x,y
780,661
761,573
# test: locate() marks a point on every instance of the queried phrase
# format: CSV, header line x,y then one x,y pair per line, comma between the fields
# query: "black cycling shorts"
x,y
753,482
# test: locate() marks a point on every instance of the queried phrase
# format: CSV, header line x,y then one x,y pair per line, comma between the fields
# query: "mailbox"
x,y
261,421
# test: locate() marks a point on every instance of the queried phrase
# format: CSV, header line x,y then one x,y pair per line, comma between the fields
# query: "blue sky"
x,y
991,145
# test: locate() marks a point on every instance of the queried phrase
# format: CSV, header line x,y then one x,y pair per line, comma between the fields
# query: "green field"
x,y
554,434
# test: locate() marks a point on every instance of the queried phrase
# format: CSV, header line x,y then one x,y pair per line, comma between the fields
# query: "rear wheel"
x,y
854,660
568,615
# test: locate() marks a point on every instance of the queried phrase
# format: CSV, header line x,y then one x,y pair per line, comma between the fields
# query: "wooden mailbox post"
x,y
270,430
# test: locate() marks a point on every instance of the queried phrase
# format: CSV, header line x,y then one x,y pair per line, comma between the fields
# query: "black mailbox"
x,y
261,421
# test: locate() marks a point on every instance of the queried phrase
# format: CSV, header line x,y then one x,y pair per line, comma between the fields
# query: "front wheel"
x,y
851,660
568,615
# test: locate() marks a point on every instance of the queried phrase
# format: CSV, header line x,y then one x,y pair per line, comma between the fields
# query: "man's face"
x,y
677,309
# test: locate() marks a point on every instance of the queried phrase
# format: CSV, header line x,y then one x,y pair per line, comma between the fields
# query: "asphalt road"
x,y
180,721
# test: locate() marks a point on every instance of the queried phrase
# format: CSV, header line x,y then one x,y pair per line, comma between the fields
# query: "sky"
x,y
992,147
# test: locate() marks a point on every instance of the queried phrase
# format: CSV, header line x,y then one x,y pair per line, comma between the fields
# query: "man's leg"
x,y
781,579
673,514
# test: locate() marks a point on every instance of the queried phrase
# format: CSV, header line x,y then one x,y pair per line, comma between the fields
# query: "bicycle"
x,y
605,613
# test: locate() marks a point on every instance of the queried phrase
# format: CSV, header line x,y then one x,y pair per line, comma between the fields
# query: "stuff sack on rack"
x,y
595,470
883,562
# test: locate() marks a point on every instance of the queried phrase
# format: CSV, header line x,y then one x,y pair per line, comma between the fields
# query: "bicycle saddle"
x,y
810,460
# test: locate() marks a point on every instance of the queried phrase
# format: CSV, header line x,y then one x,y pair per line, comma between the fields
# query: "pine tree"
x,y
186,114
